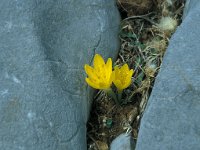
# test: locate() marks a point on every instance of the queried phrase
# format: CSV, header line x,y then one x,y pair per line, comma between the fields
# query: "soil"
x,y
143,45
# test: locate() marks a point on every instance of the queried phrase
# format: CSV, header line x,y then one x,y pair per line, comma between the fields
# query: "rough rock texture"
x,y
171,120
123,142
44,101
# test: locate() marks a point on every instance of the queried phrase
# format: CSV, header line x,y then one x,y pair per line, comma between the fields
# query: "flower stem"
x,y
112,95
119,94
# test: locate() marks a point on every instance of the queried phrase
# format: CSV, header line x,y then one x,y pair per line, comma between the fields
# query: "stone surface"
x,y
171,120
123,142
44,100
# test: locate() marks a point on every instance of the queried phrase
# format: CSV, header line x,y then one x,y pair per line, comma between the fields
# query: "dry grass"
x,y
143,44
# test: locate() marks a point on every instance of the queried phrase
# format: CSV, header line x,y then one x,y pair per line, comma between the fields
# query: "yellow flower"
x,y
122,77
99,76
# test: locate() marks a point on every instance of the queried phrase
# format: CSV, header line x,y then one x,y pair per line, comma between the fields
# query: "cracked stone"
x,y
44,100
171,119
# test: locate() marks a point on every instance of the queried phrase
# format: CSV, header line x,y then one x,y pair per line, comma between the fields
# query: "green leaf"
x,y
139,78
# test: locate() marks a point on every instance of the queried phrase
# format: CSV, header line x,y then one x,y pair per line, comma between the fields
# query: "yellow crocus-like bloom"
x,y
99,76
122,77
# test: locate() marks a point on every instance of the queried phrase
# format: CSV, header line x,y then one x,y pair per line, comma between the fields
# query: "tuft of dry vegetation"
x,y
146,28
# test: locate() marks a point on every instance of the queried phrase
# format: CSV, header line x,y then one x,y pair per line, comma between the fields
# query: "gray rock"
x,y
44,100
171,120
123,142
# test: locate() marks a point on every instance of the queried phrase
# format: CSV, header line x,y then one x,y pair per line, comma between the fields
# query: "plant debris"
x,y
146,28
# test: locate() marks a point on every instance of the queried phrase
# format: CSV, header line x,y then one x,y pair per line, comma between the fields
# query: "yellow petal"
x,y
98,62
128,78
129,75
117,72
116,67
108,69
118,84
112,78
124,68
90,72
114,74
109,66
109,63
127,84
92,84
122,78
103,85
131,72
88,69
